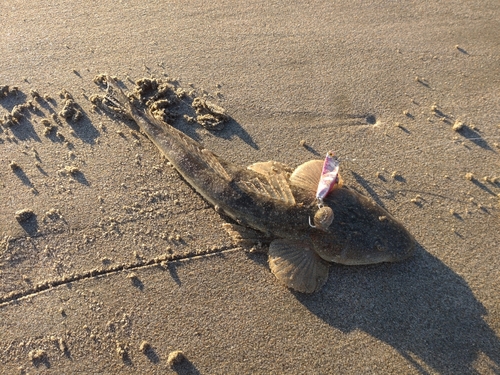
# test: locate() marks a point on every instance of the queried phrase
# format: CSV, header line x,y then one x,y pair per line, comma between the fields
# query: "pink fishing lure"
x,y
329,176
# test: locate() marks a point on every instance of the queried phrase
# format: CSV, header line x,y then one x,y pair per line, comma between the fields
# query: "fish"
x,y
273,203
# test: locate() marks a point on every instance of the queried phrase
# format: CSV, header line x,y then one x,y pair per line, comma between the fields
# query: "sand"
x,y
118,251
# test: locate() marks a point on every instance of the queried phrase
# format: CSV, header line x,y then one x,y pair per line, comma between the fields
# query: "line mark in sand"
x,y
94,273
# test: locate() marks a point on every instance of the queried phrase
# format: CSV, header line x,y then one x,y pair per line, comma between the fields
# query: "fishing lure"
x,y
328,179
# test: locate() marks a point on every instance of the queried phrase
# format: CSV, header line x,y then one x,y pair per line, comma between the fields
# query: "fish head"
x,y
361,232
349,228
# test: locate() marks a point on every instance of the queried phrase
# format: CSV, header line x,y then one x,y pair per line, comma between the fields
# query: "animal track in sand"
x,y
161,261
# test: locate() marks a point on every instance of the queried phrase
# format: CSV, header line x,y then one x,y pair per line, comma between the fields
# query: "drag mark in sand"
x,y
161,261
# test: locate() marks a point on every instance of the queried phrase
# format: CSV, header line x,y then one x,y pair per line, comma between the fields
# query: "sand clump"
x,y
24,215
70,110
37,356
458,125
4,90
208,114
69,170
176,357
13,117
145,347
60,343
14,166
121,350
167,101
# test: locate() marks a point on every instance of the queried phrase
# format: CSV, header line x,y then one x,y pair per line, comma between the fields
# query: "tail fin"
x,y
116,100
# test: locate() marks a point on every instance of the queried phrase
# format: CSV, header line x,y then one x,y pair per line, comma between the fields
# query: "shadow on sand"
x,y
420,307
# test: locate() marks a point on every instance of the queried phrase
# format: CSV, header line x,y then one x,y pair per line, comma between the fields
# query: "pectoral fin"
x,y
307,176
297,265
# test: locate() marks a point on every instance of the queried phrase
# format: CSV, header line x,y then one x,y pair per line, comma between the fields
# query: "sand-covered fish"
x,y
307,215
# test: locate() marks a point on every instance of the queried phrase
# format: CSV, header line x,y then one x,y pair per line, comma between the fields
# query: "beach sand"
x,y
116,263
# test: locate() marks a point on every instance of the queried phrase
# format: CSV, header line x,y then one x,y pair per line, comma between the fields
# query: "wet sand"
x,y
116,263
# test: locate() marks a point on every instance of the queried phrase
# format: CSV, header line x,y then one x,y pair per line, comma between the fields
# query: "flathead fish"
x,y
278,202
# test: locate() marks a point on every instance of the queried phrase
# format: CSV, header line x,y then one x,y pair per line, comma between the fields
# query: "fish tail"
x,y
117,101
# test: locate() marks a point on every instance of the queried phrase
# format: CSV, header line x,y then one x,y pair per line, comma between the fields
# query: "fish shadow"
x,y
420,307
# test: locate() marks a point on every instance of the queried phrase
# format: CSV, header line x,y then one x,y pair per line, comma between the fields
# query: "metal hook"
x,y
312,226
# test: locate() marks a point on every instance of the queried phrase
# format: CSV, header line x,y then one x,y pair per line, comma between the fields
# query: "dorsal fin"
x,y
307,175
274,187
270,167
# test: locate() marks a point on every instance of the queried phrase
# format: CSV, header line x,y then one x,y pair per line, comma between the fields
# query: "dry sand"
x,y
381,83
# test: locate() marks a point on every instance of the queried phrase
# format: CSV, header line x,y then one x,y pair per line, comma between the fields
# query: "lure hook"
x,y
312,226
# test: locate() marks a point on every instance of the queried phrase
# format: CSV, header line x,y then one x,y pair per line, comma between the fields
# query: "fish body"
x,y
278,202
